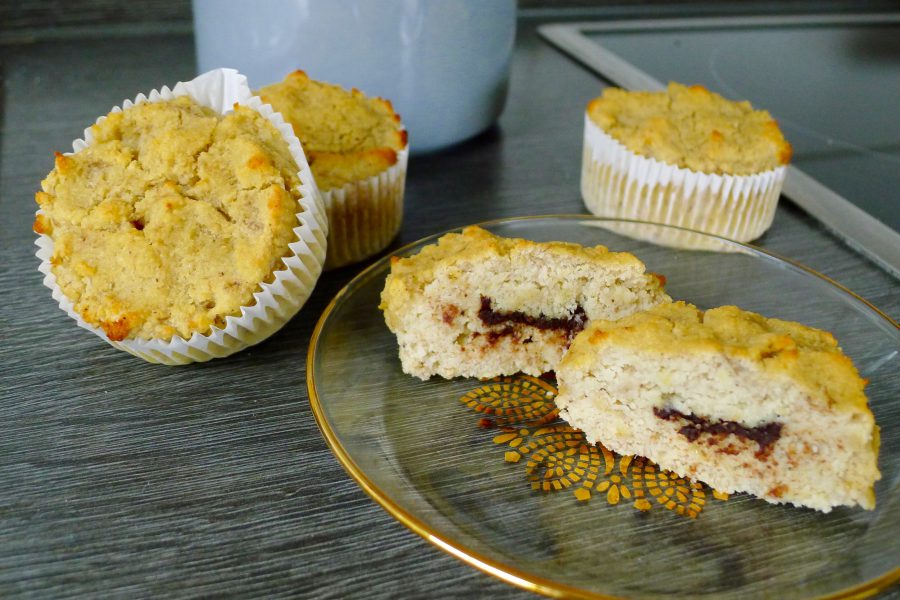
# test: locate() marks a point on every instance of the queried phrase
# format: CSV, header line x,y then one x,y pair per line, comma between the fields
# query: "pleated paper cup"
x,y
276,302
364,216
618,183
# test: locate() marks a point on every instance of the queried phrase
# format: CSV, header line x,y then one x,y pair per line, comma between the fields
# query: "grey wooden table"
x,y
124,479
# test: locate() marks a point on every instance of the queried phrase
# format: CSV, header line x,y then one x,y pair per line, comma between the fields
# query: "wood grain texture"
x,y
124,479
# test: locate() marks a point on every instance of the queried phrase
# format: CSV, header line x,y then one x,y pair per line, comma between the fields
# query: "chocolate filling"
x,y
571,325
764,435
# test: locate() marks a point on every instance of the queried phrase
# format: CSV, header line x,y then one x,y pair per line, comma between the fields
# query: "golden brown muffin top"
x,y
346,136
474,243
810,357
171,219
693,128
410,276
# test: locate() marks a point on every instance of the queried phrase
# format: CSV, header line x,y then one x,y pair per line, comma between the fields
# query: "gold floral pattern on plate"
x,y
558,457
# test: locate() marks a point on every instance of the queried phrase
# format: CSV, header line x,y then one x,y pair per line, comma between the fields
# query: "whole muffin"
x,y
357,150
171,220
684,156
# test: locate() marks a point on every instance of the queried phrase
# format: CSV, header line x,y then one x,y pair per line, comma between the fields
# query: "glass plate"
x,y
492,483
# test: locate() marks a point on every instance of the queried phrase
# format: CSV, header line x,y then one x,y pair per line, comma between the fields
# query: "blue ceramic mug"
x,y
444,64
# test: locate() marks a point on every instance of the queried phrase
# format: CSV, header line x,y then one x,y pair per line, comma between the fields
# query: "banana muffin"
x,y
357,150
478,305
686,157
171,218
742,402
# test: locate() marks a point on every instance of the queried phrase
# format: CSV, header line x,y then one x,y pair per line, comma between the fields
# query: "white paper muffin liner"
x,y
616,182
364,216
276,302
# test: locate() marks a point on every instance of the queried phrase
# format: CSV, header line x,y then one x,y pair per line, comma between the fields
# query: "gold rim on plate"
x,y
507,573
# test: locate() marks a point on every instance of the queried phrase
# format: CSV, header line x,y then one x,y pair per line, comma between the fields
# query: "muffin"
x,y
179,233
478,305
357,149
728,397
686,157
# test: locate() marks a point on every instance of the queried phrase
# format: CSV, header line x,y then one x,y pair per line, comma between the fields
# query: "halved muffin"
x,y
727,397
478,305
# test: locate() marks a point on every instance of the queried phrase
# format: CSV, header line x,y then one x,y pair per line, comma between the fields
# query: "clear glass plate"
x,y
451,475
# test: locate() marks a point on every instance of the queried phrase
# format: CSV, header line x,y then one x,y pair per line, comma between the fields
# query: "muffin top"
x,y
475,245
171,218
811,357
692,128
346,136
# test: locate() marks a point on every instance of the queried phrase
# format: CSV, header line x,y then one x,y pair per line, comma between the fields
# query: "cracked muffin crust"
x,y
171,218
347,136
693,128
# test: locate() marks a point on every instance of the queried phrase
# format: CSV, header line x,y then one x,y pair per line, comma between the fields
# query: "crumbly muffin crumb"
x,y
171,218
692,128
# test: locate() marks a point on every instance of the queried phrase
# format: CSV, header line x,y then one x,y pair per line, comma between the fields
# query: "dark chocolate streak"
x,y
571,324
764,435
